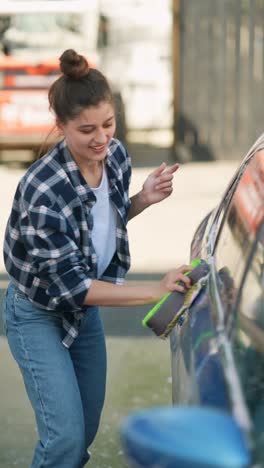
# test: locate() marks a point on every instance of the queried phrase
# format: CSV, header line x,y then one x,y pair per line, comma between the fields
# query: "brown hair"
x,y
78,87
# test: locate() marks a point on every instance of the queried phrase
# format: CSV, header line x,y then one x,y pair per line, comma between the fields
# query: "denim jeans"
x,y
66,387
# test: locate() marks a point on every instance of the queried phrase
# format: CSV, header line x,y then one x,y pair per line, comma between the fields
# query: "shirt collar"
x,y
73,172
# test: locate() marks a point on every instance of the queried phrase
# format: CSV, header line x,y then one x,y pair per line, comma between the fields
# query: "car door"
x,y
247,336
192,341
203,368
232,256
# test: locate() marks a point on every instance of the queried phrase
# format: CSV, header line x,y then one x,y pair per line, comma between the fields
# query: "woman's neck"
x,y
92,173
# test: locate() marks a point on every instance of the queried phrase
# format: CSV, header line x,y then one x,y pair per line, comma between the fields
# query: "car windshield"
x,y
50,31
35,23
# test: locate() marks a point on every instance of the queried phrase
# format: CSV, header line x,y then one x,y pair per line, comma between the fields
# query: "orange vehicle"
x,y
32,38
25,119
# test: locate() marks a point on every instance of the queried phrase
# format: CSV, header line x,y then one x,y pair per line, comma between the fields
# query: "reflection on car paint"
x,y
248,199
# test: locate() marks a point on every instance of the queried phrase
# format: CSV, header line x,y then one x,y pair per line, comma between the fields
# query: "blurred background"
x,y
187,77
186,74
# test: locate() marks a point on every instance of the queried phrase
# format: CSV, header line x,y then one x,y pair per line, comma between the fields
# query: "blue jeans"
x,y
66,387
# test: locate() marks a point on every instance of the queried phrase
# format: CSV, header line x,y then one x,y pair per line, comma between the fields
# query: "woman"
x,y
66,251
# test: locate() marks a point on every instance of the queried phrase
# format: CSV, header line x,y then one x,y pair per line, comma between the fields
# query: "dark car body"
x,y
217,351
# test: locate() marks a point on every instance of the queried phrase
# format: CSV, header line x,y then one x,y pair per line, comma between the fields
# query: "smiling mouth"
x,y
98,148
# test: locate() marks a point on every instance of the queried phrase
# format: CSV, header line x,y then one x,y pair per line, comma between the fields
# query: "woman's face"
x,y
88,135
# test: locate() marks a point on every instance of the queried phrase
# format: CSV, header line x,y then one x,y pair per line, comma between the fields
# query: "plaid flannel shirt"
x,y
48,249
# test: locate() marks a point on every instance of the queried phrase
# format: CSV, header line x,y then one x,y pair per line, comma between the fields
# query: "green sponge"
x,y
167,311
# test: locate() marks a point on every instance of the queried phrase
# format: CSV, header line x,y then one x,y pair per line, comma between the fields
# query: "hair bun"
x,y
73,65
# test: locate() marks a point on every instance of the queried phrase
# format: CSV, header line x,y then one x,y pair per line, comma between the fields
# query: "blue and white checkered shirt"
x,y
48,248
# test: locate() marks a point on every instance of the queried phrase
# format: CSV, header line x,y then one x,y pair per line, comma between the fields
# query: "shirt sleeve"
x,y
124,161
56,257
126,166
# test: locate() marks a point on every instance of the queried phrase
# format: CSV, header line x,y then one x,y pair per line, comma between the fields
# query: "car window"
x,y
242,218
219,214
249,343
219,217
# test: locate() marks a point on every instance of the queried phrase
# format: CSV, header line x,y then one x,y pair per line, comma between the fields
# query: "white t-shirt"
x,y
104,225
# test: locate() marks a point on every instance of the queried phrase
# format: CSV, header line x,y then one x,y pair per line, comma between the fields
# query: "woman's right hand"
x,y
169,281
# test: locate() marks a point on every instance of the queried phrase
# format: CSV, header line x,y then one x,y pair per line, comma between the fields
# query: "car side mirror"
x,y
185,437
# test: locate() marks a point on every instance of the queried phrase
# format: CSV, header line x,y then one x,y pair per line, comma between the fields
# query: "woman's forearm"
x,y
102,293
138,204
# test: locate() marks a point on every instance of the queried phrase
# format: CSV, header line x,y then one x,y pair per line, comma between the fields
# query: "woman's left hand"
x,y
158,184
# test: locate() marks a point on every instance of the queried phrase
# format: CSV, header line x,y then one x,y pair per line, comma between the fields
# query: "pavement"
x,y
160,237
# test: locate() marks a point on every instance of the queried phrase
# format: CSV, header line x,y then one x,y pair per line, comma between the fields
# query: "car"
x,y
217,347
33,35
